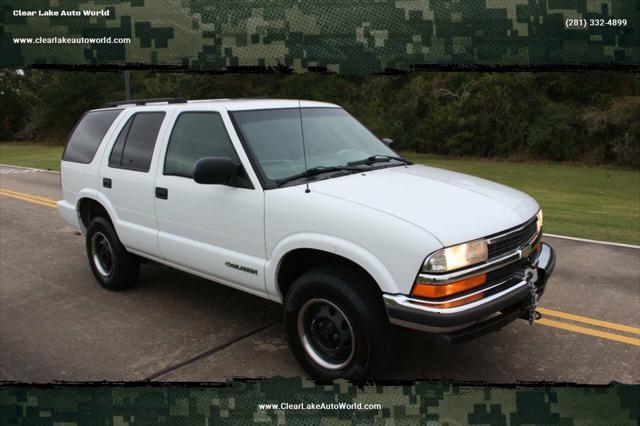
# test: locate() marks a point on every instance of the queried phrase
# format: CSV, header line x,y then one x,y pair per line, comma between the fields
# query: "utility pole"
x,y
127,85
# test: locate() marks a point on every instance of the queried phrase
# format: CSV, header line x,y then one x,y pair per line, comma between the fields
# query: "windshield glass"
x,y
332,138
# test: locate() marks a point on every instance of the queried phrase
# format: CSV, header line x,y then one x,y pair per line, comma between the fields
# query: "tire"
x,y
112,265
316,308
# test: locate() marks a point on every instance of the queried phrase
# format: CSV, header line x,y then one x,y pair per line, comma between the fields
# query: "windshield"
x,y
333,138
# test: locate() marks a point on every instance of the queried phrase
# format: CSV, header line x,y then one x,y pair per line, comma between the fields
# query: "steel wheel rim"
x,y
326,334
102,254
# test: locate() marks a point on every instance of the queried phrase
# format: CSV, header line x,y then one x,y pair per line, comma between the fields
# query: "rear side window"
x,y
137,139
196,135
87,135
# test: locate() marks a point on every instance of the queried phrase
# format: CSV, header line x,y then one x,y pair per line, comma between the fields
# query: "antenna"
x,y
304,148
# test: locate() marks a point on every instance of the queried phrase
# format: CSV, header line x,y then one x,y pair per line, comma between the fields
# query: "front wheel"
x,y
336,324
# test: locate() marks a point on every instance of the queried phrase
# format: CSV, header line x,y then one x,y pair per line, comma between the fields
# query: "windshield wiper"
x,y
378,159
316,171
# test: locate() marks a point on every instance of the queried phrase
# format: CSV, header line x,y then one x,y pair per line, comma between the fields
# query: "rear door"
x,y
127,179
214,230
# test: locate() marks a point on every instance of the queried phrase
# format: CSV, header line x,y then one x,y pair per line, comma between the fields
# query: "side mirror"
x,y
387,141
215,170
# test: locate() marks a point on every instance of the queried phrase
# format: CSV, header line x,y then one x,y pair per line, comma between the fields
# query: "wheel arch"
x,y
92,204
298,253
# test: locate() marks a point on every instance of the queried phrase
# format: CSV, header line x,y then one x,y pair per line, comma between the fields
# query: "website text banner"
x,y
343,36
297,401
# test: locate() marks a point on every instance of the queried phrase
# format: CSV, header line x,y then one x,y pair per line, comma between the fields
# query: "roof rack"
x,y
177,100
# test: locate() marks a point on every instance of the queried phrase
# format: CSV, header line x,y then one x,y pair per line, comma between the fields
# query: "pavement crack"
x,y
207,353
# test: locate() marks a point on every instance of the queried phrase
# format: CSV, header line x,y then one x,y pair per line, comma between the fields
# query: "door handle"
x,y
106,182
162,193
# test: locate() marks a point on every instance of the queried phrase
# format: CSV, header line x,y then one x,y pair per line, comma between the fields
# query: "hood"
x,y
451,206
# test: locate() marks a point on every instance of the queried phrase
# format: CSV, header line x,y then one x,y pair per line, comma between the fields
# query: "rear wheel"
x,y
112,265
337,325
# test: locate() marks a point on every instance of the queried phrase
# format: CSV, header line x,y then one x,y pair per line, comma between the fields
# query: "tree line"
x,y
590,116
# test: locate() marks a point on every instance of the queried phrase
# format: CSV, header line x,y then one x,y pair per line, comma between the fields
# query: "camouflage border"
x,y
341,36
238,402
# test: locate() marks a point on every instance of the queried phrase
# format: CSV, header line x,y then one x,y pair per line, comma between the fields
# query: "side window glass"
x,y
88,134
134,147
115,159
196,135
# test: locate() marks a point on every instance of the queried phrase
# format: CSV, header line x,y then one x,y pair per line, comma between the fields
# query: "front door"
x,y
213,230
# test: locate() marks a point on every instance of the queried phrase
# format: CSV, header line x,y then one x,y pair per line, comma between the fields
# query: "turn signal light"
x,y
434,291
454,303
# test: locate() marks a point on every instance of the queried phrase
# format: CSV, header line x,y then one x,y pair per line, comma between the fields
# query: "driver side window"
x,y
196,135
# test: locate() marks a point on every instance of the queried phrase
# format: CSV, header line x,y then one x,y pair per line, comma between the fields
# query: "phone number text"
x,y
600,22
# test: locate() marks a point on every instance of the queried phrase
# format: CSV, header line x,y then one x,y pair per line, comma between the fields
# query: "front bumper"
x,y
479,317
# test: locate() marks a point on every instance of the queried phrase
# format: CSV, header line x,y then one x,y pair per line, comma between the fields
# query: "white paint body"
x,y
387,221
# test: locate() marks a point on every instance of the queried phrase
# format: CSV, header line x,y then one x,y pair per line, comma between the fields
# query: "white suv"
x,y
297,202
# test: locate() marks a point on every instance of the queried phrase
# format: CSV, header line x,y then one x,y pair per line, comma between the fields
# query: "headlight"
x,y
456,257
540,217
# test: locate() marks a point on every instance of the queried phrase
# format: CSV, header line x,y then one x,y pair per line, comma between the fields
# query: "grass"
x,y
601,203
31,155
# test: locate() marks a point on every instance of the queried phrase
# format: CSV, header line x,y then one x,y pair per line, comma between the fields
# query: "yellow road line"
x,y
591,321
47,202
591,332
24,194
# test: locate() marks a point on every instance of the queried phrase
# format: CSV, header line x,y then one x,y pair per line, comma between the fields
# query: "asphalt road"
x,y
56,323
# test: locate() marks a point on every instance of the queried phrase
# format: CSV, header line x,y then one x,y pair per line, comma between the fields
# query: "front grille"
x,y
513,270
512,240
508,275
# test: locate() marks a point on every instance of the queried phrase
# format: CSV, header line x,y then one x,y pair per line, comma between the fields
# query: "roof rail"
x,y
177,100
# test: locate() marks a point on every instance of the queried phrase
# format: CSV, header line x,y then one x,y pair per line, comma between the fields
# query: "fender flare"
x,y
100,198
331,244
